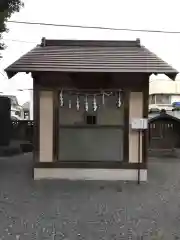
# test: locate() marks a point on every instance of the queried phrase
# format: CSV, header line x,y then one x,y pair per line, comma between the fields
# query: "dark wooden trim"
x,y
145,115
93,80
126,101
55,124
36,127
46,88
91,126
90,165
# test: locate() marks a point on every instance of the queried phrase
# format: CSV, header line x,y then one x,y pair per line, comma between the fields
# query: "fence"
x,y
22,130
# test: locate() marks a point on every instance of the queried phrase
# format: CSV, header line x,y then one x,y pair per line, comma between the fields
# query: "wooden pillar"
x,y
126,126
145,140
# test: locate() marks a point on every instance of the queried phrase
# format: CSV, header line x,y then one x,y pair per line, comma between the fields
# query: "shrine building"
x,y
86,95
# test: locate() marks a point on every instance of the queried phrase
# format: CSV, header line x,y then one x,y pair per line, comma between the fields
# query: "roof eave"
x,y
11,72
171,75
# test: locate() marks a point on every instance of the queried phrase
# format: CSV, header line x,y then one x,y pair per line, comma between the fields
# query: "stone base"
x,y
90,174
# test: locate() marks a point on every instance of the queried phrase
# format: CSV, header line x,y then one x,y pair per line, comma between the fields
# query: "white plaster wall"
x,y
46,126
135,111
90,174
164,86
31,105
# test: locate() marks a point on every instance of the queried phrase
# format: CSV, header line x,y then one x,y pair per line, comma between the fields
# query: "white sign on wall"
x,y
139,123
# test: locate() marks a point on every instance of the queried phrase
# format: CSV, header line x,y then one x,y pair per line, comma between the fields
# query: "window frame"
x,y
93,115
163,95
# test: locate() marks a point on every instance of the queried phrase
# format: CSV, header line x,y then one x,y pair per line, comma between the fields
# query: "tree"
x,y
7,8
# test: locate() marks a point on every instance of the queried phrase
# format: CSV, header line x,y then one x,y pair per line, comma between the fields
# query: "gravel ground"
x,y
89,210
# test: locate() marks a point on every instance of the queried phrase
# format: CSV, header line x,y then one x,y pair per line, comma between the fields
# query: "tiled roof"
x,y
170,114
90,56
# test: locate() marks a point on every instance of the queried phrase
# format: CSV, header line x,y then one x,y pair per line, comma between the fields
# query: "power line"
x,y
96,27
3,75
27,89
16,40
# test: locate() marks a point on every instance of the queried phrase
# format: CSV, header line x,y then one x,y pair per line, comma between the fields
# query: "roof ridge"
x,y
90,43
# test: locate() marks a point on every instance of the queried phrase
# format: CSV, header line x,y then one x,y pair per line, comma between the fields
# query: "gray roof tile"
x,y
90,56
174,114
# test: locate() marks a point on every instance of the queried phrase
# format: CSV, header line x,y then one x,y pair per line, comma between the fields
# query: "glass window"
x,y
90,119
152,99
163,99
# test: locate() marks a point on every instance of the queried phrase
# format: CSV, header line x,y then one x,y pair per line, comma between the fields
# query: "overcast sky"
x,y
139,14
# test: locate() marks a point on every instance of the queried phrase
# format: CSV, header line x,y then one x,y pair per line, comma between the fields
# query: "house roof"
x,y
90,56
26,106
174,115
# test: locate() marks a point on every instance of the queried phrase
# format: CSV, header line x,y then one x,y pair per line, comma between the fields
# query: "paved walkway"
x,y
88,210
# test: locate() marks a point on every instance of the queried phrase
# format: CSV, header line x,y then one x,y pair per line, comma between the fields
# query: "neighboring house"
x,y
5,121
164,130
86,94
17,112
163,93
26,109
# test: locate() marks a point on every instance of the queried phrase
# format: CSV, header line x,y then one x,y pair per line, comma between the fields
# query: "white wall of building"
x,y
161,84
164,86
